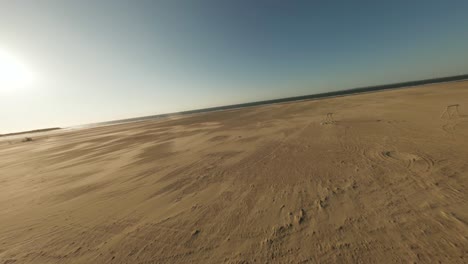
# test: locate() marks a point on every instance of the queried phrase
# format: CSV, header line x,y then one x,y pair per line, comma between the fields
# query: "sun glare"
x,y
14,75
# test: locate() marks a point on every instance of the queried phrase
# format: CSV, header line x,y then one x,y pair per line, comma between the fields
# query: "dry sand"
x,y
386,182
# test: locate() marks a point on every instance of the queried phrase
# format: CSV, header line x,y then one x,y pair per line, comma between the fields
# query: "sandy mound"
x,y
371,178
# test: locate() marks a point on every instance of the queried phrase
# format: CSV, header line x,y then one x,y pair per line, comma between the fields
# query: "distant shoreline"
x,y
352,91
292,99
30,131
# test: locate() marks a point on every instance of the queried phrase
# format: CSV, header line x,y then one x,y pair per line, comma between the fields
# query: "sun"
x,y
14,75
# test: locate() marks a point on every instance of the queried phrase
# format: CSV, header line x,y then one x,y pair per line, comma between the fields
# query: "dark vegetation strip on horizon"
x,y
297,98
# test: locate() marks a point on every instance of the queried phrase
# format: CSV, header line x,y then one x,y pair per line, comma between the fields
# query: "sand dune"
x,y
383,179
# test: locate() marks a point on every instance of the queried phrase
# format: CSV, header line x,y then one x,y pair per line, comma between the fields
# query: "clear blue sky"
x,y
103,60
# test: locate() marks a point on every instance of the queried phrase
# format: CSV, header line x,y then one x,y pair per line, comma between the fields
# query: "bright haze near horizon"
x,y
65,63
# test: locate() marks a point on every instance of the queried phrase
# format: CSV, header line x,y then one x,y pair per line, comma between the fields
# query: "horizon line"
x,y
349,92
346,92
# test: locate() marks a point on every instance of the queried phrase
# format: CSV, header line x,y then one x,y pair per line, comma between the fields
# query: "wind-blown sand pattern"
x,y
381,180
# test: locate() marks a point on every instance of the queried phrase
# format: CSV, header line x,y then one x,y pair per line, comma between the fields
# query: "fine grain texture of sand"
x,y
383,180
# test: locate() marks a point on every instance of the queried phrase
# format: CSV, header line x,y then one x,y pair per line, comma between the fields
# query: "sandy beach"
x,y
371,178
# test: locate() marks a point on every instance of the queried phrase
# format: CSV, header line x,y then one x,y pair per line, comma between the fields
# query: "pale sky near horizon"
x,y
67,63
